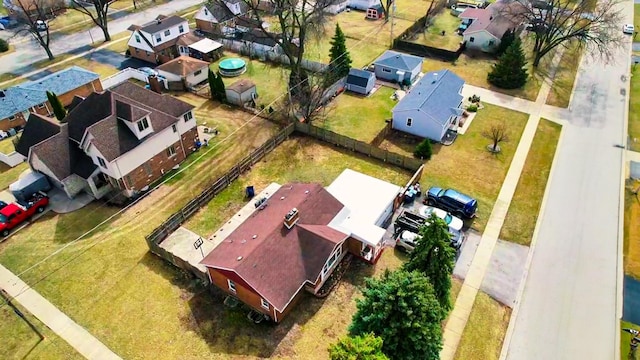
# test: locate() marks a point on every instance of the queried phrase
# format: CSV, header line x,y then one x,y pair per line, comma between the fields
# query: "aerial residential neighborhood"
x,y
345,179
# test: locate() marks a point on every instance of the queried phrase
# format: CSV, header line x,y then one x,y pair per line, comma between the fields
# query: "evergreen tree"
x,y
212,84
510,71
423,150
340,60
401,308
363,347
222,94
56,105
507,39
4,45
434,257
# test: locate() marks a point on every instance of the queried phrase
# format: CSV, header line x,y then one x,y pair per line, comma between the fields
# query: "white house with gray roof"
x,y
397,67
431,106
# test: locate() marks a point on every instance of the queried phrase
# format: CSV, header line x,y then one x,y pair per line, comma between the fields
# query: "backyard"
x,y
6,145
359,117
482,337
467,165
433,35
522,216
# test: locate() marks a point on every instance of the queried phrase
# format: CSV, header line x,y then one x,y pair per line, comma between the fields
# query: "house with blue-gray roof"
x,y
18,101
431,107
397,67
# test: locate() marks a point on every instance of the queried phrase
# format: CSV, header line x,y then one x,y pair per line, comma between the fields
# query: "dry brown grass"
x,y
10,174
632,231
562,86
433,37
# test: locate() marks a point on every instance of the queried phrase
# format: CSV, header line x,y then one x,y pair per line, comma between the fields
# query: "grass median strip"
x,y
632,230
634,111
563,82
521,218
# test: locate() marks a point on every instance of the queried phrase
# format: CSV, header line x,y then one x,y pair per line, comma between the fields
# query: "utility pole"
x,y
392,9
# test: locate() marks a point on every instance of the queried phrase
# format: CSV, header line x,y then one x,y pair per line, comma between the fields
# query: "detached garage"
x,y
368,207
360,81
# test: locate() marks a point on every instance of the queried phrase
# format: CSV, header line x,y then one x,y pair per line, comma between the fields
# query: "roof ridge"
x,y
144,106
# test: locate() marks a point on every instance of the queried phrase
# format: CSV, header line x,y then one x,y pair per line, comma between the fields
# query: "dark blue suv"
x,y
456,203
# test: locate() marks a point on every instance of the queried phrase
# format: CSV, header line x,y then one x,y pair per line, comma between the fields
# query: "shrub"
x,y
4,46
423,150
472,108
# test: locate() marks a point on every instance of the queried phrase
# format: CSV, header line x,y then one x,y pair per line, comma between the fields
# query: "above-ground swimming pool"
x,y
232,67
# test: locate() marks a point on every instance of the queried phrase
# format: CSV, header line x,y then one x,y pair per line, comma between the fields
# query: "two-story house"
x,y
122,139
157,41
226,18
18,101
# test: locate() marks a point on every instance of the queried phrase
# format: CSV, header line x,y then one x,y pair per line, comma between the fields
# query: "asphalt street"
x,y
568,308
28,53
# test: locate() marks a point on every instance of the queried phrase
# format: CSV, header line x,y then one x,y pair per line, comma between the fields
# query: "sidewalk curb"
x,y
514,314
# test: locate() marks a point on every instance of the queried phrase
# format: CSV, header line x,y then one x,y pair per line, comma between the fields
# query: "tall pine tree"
x,y
339,56
212,84
56,105
510,71
222,94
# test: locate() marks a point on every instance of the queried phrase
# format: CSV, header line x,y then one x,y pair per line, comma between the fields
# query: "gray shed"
x,y
360,81
28,185
241,92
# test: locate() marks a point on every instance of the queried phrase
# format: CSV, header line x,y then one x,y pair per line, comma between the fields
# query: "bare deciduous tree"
x,y
34,14
497,133
558,22
98,11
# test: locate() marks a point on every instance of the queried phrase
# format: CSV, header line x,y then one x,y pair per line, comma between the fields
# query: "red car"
x,y
15,213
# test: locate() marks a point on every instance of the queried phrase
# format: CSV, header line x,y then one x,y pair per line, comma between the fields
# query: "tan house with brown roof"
x,y
122,139
186,69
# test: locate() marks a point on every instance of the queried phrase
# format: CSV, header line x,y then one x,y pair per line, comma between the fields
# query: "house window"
x,y
171,151
334,257
147,169
167,32
264,303
386,70
137,51
197,73
232,285
143,124
138,38
158,38
174,128
471,39
146,52
181,27
188,116
102,162
409,121
41,106
12,117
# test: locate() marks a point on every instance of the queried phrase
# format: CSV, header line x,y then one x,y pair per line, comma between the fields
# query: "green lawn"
x,y
636,15
20,341
3,11
562,86
482,337
359,117
523,211
271,80
625,338
634,110
433,37
632,231
6,145
466,165
10,174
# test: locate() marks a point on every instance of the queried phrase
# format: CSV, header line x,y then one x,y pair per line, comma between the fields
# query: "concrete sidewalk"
x,y
466,298
79,338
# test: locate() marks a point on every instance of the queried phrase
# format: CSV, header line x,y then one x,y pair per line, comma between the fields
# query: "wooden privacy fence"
x,y
402,161
178,218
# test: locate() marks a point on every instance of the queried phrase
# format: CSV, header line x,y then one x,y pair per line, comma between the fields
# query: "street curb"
x,y
514,314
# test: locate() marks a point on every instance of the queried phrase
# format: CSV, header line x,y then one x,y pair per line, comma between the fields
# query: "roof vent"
x,y
239,258
282,198
435,78
254,236
291,218
306,191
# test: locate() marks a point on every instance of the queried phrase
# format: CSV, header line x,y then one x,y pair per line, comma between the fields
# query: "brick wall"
x,y
19,120
142,55
83,91
188,139
242,293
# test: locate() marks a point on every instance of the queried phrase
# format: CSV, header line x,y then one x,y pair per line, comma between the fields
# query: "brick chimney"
x,y
64,130
291,218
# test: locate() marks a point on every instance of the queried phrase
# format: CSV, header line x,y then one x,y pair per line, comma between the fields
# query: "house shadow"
x,y
72,225
228,330
406,143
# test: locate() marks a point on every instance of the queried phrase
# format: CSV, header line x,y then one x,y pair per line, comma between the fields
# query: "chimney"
x,y
64,130
291,218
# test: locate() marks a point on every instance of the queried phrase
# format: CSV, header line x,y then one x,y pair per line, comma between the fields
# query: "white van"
x,y
457,9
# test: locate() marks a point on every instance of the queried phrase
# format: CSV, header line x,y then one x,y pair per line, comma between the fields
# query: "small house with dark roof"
x,y
121,139
18,101
483,28
241,92
297,239
156,42
431,107
397,67
360,81
186,69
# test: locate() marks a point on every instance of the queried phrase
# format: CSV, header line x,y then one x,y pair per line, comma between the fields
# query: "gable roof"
x,y
26,95
241,86
161,23
399,61
220,12
277,262
183,66
359,77
437,95
496,19
37,129
63,156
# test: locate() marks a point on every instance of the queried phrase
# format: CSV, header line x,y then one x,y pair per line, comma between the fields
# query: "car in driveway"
x,y
459,204
452,221
406,240
16,213
149,71
628,29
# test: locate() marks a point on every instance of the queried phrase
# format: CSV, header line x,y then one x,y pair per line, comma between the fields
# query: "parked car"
x,y
16,213
41,25
628,29
452,221
459,8
149,71
453,201
406,240
408,221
